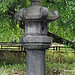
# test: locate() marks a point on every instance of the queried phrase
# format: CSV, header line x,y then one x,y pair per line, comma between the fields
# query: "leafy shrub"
x,y
11,58
59,57
58,68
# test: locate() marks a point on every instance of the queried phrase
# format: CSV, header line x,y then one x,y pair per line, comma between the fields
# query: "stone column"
x,y
36,41
36,62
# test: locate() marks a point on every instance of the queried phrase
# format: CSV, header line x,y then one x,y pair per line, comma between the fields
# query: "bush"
x,y
10,58
59,57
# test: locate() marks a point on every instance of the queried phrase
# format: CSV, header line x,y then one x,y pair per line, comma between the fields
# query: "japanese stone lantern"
x,y
36,41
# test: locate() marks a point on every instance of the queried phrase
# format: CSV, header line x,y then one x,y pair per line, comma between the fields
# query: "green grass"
x,y
20,69
63,69
13,69
69,72
61,63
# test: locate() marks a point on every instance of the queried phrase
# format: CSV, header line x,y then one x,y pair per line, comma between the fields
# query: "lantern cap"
x,y
35,2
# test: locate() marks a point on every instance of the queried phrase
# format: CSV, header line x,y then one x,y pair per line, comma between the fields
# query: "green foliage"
x,y
63,26
8,25
61,58
60,68
10,58
13,69
59,63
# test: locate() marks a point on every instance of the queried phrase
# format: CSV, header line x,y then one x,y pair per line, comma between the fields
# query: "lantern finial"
x,y
35,2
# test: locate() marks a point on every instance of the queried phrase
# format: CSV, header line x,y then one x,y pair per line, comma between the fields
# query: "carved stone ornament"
x,y
36,13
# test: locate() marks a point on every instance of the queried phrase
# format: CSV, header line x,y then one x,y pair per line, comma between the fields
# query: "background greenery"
x,y
64,26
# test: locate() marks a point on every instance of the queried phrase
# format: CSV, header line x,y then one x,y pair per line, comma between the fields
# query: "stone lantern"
x,y
36,41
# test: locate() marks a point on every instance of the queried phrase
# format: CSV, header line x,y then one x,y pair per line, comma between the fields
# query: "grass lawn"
x,y
20,69
16,69
60,69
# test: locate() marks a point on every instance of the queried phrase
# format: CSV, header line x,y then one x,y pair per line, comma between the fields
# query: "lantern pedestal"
x,y
36,62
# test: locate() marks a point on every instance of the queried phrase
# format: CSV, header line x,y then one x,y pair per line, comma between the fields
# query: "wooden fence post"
x,y
1,47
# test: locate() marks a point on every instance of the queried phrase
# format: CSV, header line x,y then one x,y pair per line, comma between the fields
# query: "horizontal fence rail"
x,y
19,46
11,46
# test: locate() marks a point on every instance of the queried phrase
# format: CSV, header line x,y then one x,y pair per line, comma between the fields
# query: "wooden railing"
x,y
18,47
11,46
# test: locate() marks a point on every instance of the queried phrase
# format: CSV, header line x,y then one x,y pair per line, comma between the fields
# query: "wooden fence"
x,y
15,48
18,48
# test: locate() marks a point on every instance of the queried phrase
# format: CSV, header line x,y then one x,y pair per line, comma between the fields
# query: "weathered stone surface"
x,y
36,35
36,62
36,40
20,16
33,12
36,2
36,28
53,15
36,13
36,46
21,39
